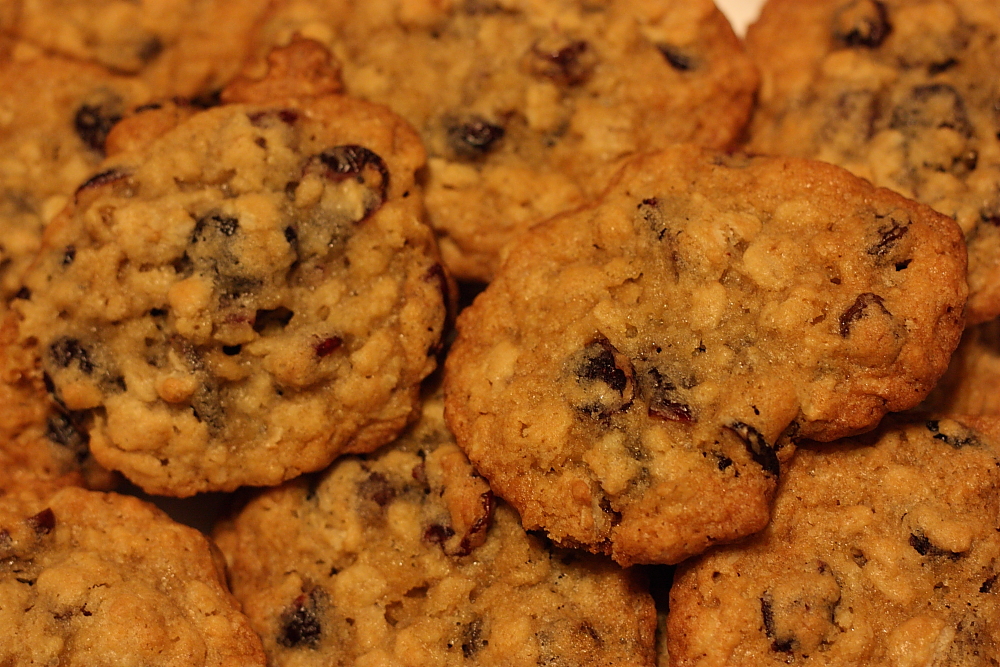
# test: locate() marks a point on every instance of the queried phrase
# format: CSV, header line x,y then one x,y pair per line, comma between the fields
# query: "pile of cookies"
x,y
692,278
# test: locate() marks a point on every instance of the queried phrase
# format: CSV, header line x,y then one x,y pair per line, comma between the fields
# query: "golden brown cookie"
x,y
635,373
521,103
901,92
882,550
246,297
404,557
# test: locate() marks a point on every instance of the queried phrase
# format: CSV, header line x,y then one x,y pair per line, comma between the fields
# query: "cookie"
x,y
522,102
900,92
103,579
405,557
971,385
634,375
245,298
54,116
181,47
883,550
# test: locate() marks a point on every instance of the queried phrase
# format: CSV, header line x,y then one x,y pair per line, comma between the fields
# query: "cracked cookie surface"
x,y
883,550
632,378
521,102
404,557
88,578
245,297
902,93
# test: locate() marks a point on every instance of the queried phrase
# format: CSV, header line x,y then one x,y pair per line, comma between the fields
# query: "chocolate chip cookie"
x,y
901,92
524,103
406,557
638,369
102,579
883,550
241,300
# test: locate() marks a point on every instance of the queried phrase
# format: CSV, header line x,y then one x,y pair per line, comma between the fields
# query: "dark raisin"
x,y
663,400
987,586
857,311
568,64
300,624
473,639
377,489
680,61
723,461
760,451
476,533
68,350
936,105
888,236
861,23
93,122
923,546
66,432
108,177
599,365
42,523
69,255
437,534
474,137
327,346
964,437
350,161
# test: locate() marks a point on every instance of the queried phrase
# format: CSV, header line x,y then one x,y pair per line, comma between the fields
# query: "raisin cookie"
x,y
521,102
971,385
243,299
54,116
404,557
638,368
883,550
88,578
901,92
181,47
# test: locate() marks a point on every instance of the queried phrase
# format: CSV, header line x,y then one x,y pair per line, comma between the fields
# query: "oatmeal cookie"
x,y
638,368
88,578
901,92
971,385
405,557
521,103
883,550
181,47
54,116
248,296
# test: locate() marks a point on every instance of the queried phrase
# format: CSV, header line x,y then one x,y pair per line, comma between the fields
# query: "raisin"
x,y
350,161
923,546
677,59
377,489
68,350
476,534
760,451
206,405
473,640
936,105
857,311
599,365
767,614
474,137
300,624
724,462
663,403
567,64
987,586
93,122
437,534
63,430
888,237
861,23
956,441
327,346
42,523
214,222
111,176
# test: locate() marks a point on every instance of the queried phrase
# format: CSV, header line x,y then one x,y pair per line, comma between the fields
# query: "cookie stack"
x,y
695,279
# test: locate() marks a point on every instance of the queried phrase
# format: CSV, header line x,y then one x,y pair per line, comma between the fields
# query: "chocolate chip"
x,y
760,451
42,523
474,137
679,60
566,64
69,350
300,623
858,310
93,122
861,23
